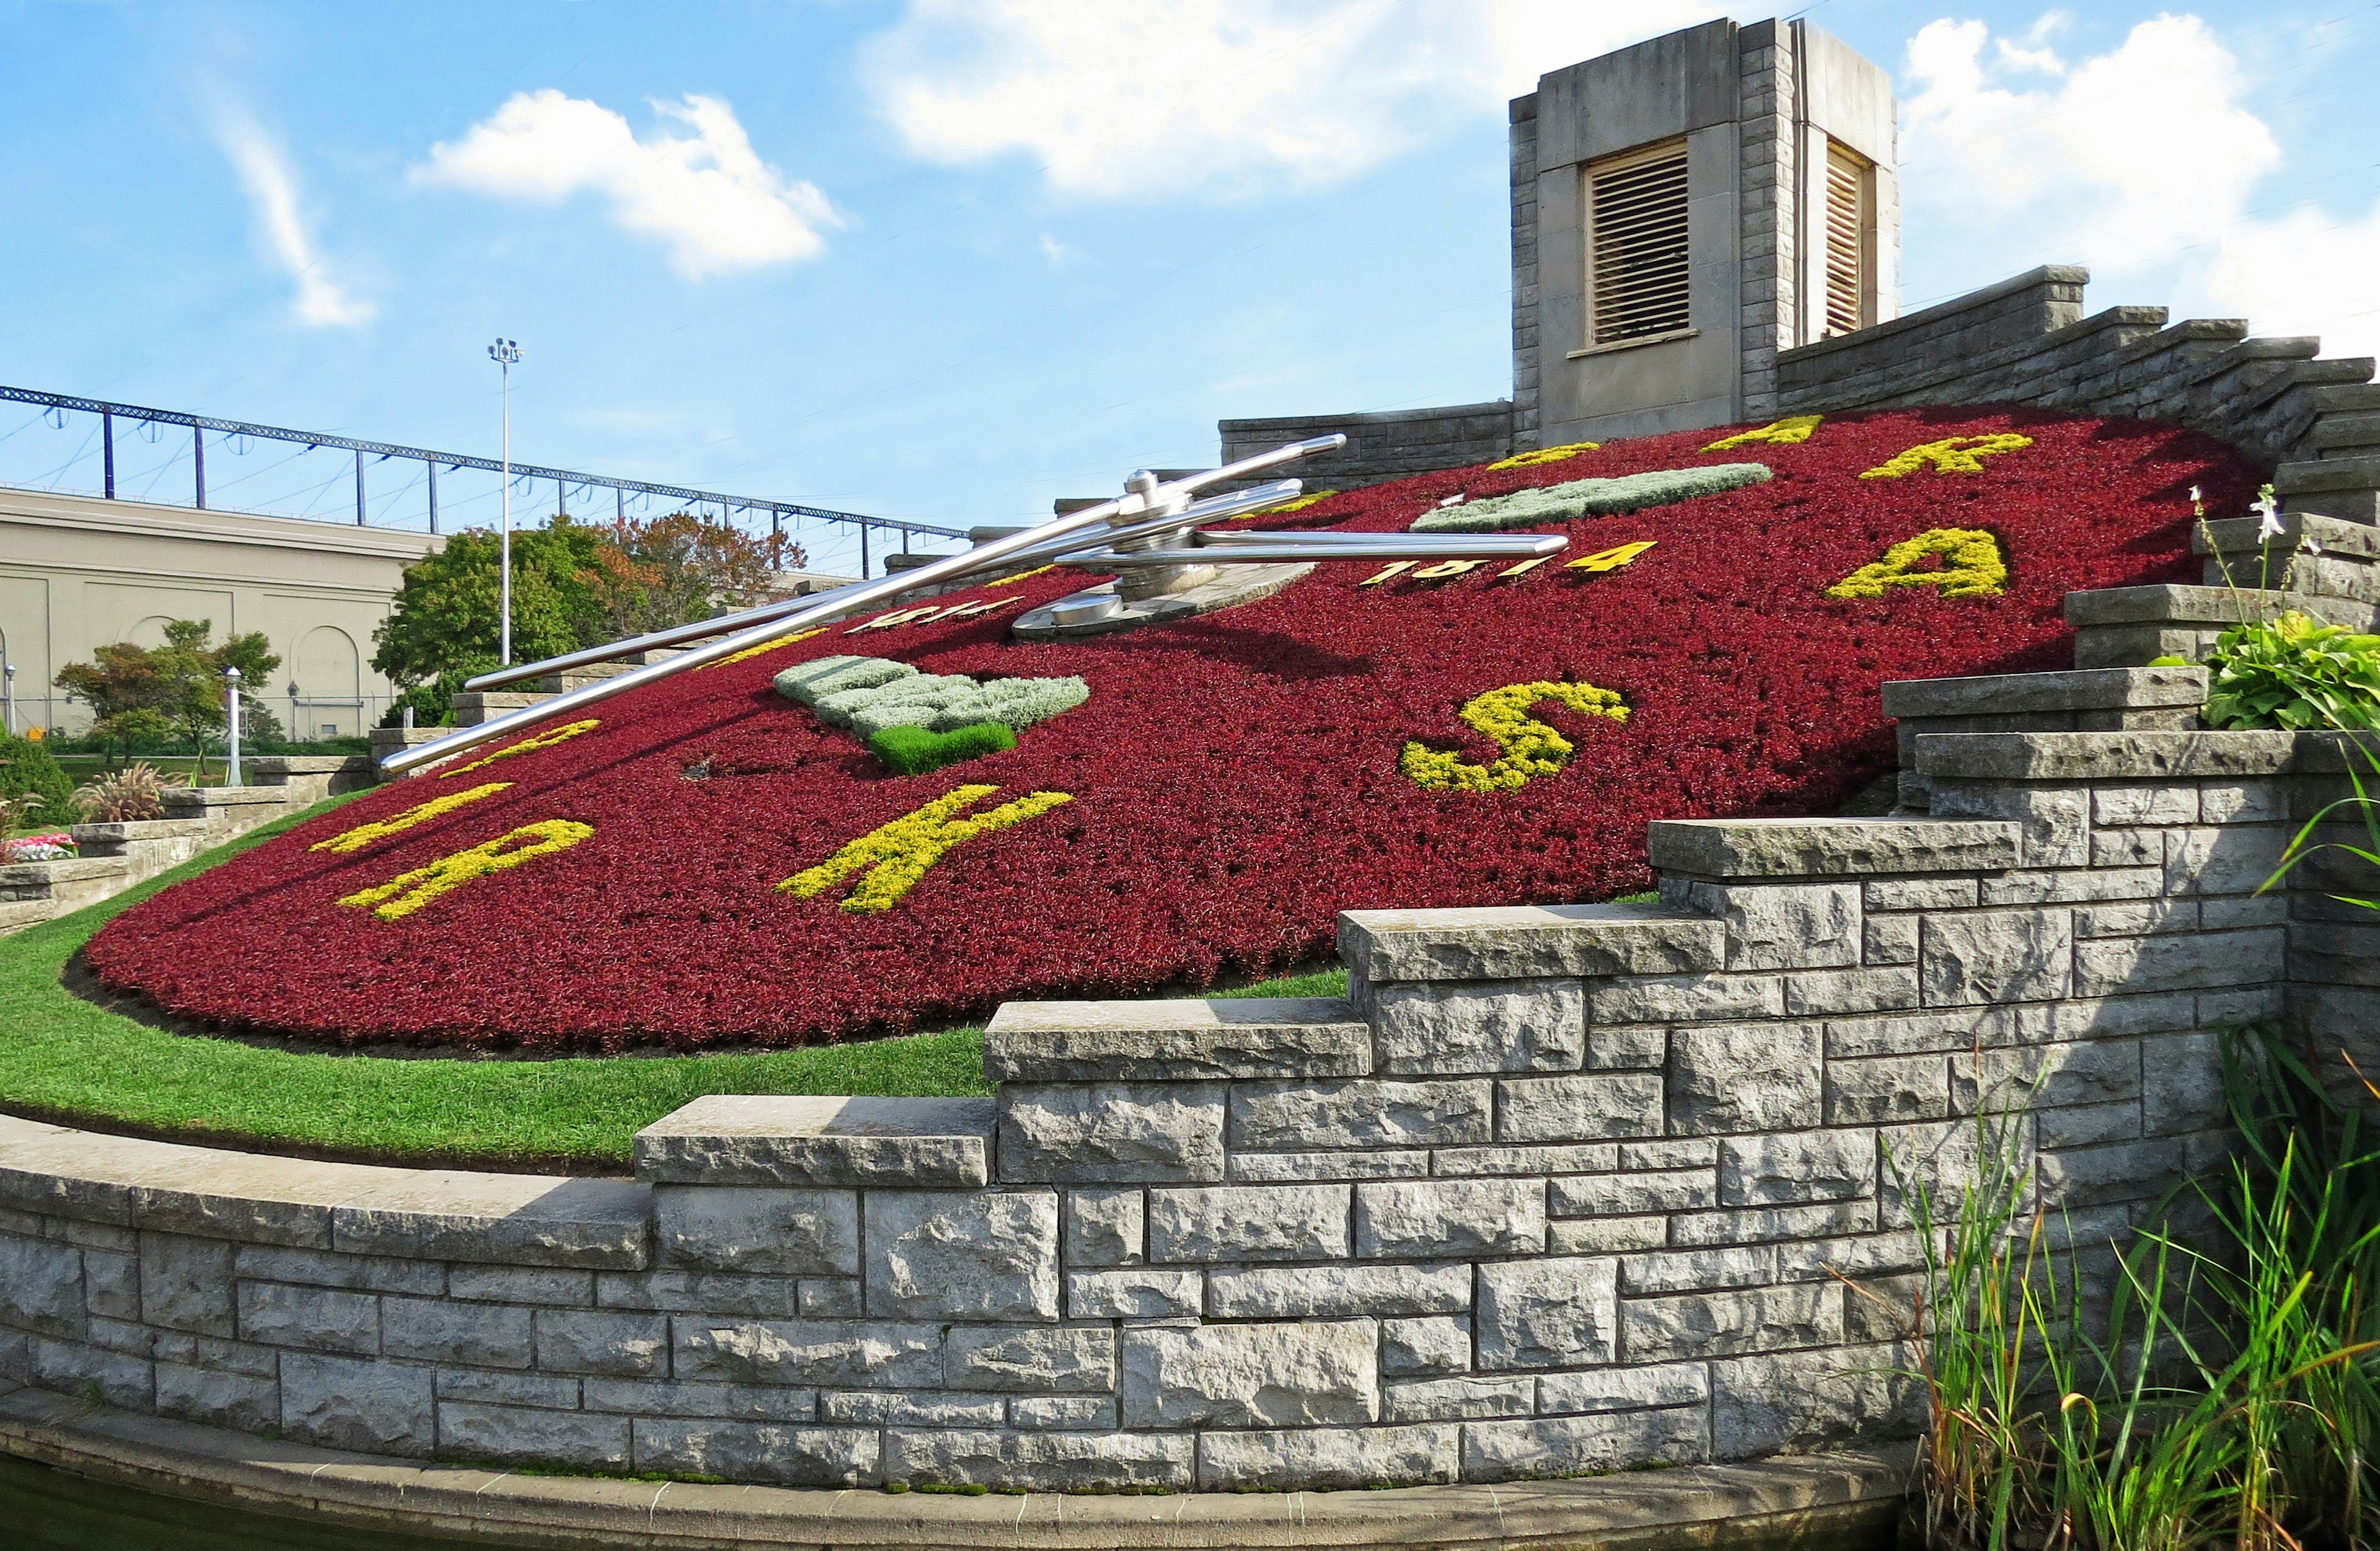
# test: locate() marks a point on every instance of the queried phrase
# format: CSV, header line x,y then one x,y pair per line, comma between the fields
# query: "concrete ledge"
x,y
1850,1499
2127,756
746,1139
2176,603
2239,535
2011,694
442,1214
197,801
1515,941
1251,1037
1829,847
65,870
134,829
2321,475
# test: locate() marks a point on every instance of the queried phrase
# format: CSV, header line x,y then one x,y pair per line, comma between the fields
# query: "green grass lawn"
x,y
62,1058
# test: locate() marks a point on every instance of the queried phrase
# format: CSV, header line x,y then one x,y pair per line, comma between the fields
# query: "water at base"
x,y
43,1509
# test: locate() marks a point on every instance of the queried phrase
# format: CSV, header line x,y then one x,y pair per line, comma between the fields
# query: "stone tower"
x,y
1682,210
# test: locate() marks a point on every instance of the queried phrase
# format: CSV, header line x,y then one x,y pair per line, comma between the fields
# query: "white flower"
x,y
2269,513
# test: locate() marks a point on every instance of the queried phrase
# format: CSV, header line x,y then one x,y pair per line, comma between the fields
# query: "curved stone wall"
x,y
1559,1190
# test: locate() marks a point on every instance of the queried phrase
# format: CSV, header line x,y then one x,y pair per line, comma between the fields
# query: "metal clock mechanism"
x,y
1151,537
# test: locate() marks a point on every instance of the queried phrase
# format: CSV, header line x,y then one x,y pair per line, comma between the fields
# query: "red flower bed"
x,y
1235,778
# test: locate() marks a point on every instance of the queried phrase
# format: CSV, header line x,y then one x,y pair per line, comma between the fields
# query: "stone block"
x,y
698,1293
1763,1405
1587,1107
1451,1163
2182,1084
314,1319
1176,1041
1889,1088
325,1269
1299,1168
2189,961
1717,1323
1363,1113
111,1284
73,1368
2134,803
1112,1132
240,1402
1039,1413
1105,1227
962,1254
1699,1270
757,1229
1524,941
1304,1375
515,1435
1633,1193
739,1402
1785,926
439,1330
1605,1236
1327,1459
519,1284
1826,846
1685,998
1066,1359
1560,1311
1750,1077
878,1407
2090,1071
609,1345
505,1219
1481,1026
2136,918
1623,1389
839,1353
1918,894
1816,992
1997,956
372,1408
1438,1218
2054,821
1054,1461
2125,1171
770,1139
1428,1343
1248,1222
1756,1225
1789,1170
1328,1291
758,1451
2087,1125
1137,1292
1579,1445
1683,1151
41,1286
546,1392
1468,1398
2073,886
1622,1048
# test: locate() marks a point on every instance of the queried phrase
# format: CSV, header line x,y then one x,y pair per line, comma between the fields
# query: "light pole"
x,y
231,725
8,676
506,353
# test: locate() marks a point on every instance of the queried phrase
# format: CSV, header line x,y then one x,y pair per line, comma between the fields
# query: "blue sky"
x,y
948,260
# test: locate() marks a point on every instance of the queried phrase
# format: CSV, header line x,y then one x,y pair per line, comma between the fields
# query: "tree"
x,y
675,569
140,694
27,770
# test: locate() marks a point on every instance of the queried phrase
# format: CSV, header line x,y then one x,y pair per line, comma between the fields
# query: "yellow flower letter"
x,y
897,855
1610,559
1971,566
408,892
535,740
1952,455
1784,433
1544,455
1530,747
364,835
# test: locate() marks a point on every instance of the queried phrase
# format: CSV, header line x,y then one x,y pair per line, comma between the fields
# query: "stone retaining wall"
x,y
1557,1190
1389,445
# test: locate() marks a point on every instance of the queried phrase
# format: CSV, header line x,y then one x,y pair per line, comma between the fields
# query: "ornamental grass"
x,y
1232,781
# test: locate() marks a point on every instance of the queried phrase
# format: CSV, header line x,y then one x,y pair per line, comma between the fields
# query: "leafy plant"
x,y
126,796
916,751
2293,672
28,770
142,694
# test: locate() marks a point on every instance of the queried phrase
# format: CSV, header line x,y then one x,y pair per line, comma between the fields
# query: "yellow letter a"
x,y
897,855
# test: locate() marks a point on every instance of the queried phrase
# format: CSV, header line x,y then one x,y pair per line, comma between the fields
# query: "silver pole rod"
x,y
1388,548
845,601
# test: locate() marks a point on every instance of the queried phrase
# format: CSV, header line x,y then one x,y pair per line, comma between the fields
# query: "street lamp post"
x,y
506,353
8,676
231,725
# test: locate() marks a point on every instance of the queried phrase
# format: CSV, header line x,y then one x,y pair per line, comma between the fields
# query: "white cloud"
x,y
1221,98
263,170
2144,163
707,195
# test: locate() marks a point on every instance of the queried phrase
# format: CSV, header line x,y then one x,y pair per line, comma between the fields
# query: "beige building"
x,y
78,573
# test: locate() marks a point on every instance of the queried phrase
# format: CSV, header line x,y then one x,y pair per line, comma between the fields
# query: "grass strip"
x,y
63,1058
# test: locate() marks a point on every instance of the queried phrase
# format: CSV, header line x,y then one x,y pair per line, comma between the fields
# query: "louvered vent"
x,y
1636,244
1848,224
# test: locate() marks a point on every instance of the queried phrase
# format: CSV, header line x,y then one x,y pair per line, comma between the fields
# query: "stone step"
x,y
44,879
1500,942
1828,848
2344,437
191,802
1176,1041
768,1138
2344,398
2127,627
2067,757
2316,555
16,915
2078,700
2346,488
475,706
102,839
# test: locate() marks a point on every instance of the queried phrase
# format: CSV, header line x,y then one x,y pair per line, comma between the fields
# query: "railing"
x,y
368,454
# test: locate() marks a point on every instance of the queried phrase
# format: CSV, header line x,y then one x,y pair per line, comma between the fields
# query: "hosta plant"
x,y
2293,672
